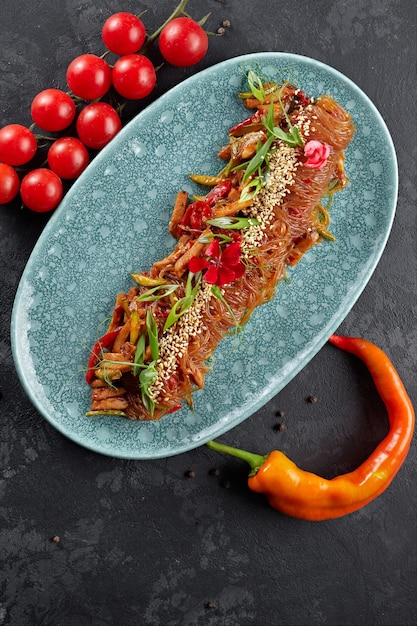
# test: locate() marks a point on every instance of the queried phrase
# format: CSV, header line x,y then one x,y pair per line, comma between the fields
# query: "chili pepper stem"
x,y
254,460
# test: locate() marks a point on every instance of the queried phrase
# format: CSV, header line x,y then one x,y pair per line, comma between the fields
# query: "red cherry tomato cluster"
x,y
182,42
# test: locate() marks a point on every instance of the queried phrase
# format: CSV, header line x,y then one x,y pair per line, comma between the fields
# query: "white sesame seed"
x,y
175,340
283,164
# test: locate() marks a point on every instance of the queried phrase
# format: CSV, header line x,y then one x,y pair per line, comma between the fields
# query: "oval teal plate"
x,y
114,221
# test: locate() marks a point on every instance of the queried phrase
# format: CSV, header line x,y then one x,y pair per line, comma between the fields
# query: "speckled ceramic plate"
x,y
114,221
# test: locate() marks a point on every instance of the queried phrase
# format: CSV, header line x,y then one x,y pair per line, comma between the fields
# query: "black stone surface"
x,y
142,543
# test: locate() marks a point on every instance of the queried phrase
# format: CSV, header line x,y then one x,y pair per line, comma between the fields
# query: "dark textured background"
x,y
140,542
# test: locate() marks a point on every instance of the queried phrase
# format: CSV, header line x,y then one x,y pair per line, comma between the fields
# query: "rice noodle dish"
x,y
265,208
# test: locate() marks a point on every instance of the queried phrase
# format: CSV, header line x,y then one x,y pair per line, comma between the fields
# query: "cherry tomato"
x,y
68,157
17,144
123,33
183,42
52,110
134,76
9,183
97,124
41,190
89,76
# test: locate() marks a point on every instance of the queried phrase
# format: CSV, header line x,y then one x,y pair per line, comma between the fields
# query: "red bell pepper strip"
x,y
104,343
221,190
253,119
177,407
196,215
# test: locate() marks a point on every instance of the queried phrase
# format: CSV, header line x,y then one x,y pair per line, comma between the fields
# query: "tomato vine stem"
x,y
177,11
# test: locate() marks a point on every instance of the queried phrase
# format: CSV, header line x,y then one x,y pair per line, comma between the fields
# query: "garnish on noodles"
x,y
265,208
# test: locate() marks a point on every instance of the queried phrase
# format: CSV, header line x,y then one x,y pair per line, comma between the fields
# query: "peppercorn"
x,y
280,427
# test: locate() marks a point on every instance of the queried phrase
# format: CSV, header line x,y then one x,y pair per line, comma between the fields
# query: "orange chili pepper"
x,y
307,496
